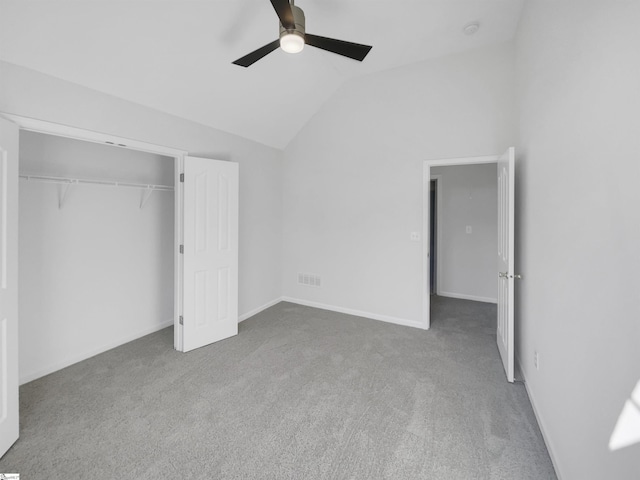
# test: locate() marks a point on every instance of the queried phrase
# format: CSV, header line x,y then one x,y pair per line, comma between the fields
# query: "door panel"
x,y
8,285
506,216
210,251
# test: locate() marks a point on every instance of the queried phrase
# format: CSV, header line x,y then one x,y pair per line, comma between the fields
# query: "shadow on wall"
x,y
627,429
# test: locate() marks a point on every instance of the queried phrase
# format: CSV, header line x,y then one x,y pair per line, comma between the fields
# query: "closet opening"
x,y
96,248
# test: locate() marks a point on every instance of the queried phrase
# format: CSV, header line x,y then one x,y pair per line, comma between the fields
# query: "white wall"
x,y
578,73
466,262
353,176
99,271
32,94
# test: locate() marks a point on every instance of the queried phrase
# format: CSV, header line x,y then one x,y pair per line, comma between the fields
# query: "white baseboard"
x,y
464,296
358,313
255,311
543,430
92,353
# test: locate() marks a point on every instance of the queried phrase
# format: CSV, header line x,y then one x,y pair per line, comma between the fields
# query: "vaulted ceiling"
x,y
175,55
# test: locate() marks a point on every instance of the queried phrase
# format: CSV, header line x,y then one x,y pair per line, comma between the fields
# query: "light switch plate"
x,y
469,229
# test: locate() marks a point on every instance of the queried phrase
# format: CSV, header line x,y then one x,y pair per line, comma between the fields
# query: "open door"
x,y
506,276
210,263
8,285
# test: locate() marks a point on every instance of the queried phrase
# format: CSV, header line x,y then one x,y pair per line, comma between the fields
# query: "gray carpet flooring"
x,y
300,393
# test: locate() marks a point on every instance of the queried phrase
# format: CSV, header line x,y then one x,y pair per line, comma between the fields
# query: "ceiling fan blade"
x,y
285,14
256,55
356,51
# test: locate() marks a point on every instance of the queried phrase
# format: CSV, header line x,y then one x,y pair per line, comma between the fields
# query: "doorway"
x,y
210,204
96,266
435,281
504,266
26,125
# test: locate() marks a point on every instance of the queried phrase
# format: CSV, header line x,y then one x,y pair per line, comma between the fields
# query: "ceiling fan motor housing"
x,y
298,20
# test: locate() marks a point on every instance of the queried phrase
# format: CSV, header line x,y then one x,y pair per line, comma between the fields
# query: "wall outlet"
x,y
415,237
536,360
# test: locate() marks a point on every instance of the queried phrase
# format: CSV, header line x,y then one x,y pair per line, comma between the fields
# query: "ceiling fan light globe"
x,y
291,43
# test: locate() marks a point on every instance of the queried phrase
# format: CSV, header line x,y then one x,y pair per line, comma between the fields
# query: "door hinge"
x,y
182,177
181,248
181,320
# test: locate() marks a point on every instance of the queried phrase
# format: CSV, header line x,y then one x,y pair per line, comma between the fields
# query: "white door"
x,y
506,277
210,263
8,285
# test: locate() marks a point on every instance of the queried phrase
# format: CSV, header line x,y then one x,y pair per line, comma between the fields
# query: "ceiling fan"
x,y
293,38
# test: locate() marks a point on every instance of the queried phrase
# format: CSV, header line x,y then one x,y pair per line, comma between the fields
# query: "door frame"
x,y
50,128
426,222
438,241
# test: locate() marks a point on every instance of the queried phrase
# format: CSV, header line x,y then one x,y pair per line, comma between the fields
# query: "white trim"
x,y
358,313
178,258
96,351
541,424
255,311
426,215
445,162
425,252
41,126
463,296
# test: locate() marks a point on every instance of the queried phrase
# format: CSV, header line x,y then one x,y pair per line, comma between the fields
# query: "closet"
x,y
96,249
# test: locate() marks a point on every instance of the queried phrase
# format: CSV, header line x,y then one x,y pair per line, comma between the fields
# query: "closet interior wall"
x,y
96,262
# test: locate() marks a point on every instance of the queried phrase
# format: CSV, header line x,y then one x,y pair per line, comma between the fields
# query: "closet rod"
x,y
104,183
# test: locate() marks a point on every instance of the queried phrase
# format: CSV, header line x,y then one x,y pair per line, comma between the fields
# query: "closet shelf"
x,y
67,182
104,183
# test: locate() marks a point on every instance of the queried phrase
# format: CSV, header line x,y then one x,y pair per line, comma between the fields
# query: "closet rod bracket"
x,y
64,191
146,195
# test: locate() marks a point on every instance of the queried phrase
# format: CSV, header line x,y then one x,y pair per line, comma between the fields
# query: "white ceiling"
x,y
175,55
